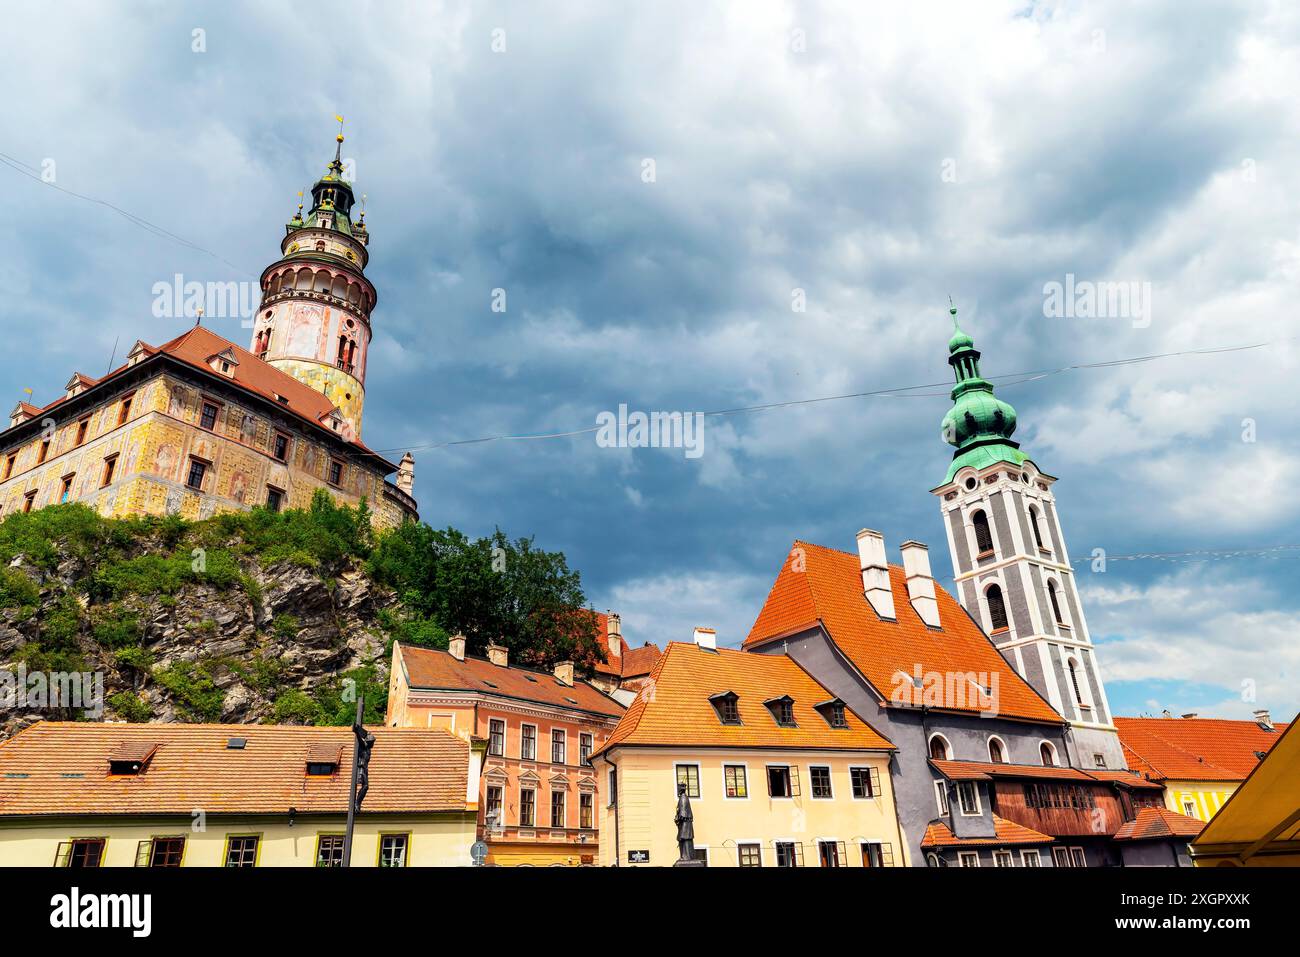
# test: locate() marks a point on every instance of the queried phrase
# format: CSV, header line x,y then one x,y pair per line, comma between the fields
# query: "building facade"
x,y
1011,567
539,793
127,795
778,771
200,425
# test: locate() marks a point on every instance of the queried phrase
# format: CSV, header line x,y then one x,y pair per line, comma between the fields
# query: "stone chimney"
x,y
456,645
1264,719
406,474
875,573
499,655
920,584
564,673
706,638
614,633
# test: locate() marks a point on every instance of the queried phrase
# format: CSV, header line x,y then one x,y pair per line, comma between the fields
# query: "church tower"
x,y
314,320
1011,568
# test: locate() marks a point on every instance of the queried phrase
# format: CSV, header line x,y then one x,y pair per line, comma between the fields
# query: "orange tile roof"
x,y
1194,749
938,834
431,669
1157,822
829,590
62,768
987,770
674,707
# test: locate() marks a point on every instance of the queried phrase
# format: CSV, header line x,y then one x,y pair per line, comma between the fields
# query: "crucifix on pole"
x,y
365,741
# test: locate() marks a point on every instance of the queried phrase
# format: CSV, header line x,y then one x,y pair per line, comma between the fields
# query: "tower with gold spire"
x,y
314,319
1010,564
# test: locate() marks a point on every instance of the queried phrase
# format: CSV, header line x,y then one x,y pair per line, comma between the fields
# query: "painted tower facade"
x,y
1010,563
314,320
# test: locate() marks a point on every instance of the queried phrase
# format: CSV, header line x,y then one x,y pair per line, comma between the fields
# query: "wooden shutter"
x,y
794,781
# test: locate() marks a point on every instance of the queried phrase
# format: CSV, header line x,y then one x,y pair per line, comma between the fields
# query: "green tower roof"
x,y
979,424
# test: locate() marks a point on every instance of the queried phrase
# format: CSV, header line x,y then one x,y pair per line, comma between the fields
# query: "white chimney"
x,y
614,632
499,655
564,673
920,584
456,645
706,638
875,572
1264,719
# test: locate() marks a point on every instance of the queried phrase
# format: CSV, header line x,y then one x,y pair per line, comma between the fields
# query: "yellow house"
x,y
779,772
1199,761
1260,824
173,795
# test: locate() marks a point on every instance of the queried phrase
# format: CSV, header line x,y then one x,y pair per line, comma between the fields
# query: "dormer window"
x,y
727,707
782,709
323,759
833,712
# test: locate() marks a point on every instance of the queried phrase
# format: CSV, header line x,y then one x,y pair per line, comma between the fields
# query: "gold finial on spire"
x,y
362,222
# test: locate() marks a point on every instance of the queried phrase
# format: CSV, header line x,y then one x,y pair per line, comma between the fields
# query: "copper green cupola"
x,y
978,424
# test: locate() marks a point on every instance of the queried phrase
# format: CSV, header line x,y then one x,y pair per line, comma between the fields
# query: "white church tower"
x,y
1011,568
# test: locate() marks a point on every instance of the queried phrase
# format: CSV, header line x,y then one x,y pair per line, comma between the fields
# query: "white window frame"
x,y
505,731
1034,855
868,769
1056,757
1061,849
975,792
830,779
1082,853
1006,752
767,782
941,797
523,725
947,746
551,741
1000,856
962,856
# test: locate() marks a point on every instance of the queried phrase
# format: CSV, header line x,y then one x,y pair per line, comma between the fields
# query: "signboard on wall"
x,y
638,857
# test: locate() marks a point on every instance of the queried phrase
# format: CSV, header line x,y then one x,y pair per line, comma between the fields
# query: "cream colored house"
x,y
779,772
183,795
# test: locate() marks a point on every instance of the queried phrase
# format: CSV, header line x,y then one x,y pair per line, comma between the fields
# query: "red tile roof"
x,y
632,663
674,707
938,834
1158,822
431,669
828,589
56,768
988,770
1194,749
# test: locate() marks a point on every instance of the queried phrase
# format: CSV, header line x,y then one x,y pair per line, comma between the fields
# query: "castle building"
x,y
199,424
1012,571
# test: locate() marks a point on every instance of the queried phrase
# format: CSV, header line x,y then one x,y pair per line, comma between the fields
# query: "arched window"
x,y
983,536
997,608
1074,683
1056,604
1033,523
939,750
1047,753
997,753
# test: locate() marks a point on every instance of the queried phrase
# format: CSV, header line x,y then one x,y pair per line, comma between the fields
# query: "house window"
x,y
1056,604
557,809
997,754
274,499
837,715
241,850
821,782
280,446
496,737
702,855
329,850
789,854
528,742
783,711
124,411
493,817
968,859
939,748
527,807
1031,859
997,608
866,782
195,478
557,745
983,536
1002,859
208,417
877,854
613,787
9,463
336,472
586,810
1077,857
828,853
41,453
734,778
1098,759
392,850
750,855
82,426
968,798
84,852
689,774
782,781
110,465
941,796
727,707
1061,856
1047,754
1189,807
65,491
584,749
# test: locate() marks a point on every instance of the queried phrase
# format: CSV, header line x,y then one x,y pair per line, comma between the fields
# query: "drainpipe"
x,y
618,854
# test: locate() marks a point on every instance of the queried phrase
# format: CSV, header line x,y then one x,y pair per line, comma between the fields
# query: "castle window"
x,y
9,463
983,535
29,500
997,608
208,417
1056,605
280,446
65,491
124,412
1074,682
42,453
274,499
195,478
110,464
1038,532
82,426
335,472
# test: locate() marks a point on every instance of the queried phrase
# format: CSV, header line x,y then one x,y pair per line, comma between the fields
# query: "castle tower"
x,y
314,320
1011,568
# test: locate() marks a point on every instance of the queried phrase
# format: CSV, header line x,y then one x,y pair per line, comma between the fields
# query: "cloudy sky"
x,y
656,187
